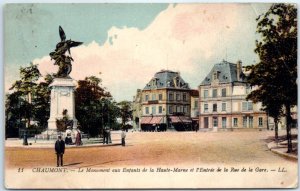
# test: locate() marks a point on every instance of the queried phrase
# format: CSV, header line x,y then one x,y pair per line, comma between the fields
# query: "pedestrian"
x,y
123,135
78,138
104,136
109,135
60,150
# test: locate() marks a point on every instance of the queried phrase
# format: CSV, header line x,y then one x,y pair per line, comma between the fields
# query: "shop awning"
x,y
195,119
175,119
146,120
180,119
156,120
185,119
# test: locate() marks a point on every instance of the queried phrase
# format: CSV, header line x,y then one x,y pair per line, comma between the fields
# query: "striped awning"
x,y
156,120
180,119
146,120
175,119
185,119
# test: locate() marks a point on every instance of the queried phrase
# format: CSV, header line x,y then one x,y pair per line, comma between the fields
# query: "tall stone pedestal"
x,y
62,97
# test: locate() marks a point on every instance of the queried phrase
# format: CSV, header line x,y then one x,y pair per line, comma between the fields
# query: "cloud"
x,y
187,37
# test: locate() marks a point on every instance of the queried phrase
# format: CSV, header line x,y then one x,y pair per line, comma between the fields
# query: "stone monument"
x,y
62,87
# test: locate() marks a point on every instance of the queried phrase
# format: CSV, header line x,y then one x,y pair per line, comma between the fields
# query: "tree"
x,y
125,111
41,109
276,73
88,107
26,87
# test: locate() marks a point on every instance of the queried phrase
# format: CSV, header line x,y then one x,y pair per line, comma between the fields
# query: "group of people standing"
x,y
60,143
68,139
106,135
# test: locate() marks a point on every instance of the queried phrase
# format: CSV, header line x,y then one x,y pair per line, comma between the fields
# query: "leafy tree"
x,y
88,107
276,73
41,109
125,112
25,89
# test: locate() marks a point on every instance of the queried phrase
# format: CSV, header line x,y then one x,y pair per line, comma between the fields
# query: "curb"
x,y
281,153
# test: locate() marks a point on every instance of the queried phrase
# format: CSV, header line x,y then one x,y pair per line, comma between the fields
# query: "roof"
x,y
227,73
194,93
166,79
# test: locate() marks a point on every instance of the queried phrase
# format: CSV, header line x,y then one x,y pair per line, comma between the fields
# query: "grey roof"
x,y
166,79
227,73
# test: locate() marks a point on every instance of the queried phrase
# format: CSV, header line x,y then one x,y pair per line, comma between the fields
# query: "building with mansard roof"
x,y
165,103
222,100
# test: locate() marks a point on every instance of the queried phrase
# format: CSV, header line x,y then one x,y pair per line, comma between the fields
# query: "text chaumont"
x,y
47,170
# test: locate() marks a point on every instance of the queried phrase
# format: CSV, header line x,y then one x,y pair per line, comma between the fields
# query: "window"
x,y
177,97
215,121
224,122
160,109
170,109
184,109
250,121
160,97
184,97
244,121
224,92
146,97
250,106
205,107
223,106
215,92
153,96
235,122
215,107
205,92
153,110
171,97
178,109
260,121
247,106
147,110
244,106
216,75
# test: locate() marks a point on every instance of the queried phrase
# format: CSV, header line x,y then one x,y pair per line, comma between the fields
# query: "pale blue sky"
x,y
188,38
31,30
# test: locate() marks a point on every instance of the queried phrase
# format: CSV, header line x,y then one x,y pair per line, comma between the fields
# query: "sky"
x,y
126,44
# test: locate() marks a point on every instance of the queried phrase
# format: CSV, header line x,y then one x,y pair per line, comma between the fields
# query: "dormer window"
x,y
154,82
177,81
216,75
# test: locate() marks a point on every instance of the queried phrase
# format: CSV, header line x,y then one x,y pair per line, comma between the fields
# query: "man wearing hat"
x,y
60,150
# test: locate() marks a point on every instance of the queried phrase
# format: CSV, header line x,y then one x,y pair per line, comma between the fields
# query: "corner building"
x,y
166,103
222,100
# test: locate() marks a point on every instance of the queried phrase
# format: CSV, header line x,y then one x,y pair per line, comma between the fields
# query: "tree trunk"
x,y
288,127
276,130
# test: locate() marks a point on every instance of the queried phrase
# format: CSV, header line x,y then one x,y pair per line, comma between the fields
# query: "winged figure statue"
x,y
60,57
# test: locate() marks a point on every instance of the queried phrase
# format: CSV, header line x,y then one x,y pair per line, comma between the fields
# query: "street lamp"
x,y
102,118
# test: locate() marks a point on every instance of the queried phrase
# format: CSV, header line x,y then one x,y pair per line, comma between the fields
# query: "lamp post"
x,y
102,118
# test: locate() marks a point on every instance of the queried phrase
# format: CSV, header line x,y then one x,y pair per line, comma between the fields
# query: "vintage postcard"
x,y
150,96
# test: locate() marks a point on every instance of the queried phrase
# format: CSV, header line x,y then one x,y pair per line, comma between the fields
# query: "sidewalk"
x,y
281,149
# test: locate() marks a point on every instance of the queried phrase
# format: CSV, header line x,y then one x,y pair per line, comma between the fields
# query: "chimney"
x,y
238,69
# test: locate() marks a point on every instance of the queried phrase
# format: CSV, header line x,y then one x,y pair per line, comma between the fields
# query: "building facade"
x,y
166,103
195,109
222,100
137,110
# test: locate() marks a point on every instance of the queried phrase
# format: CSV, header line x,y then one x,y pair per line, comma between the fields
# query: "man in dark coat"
x,y
60,150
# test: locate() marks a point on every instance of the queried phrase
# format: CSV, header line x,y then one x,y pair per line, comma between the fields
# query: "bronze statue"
x,y
62,60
